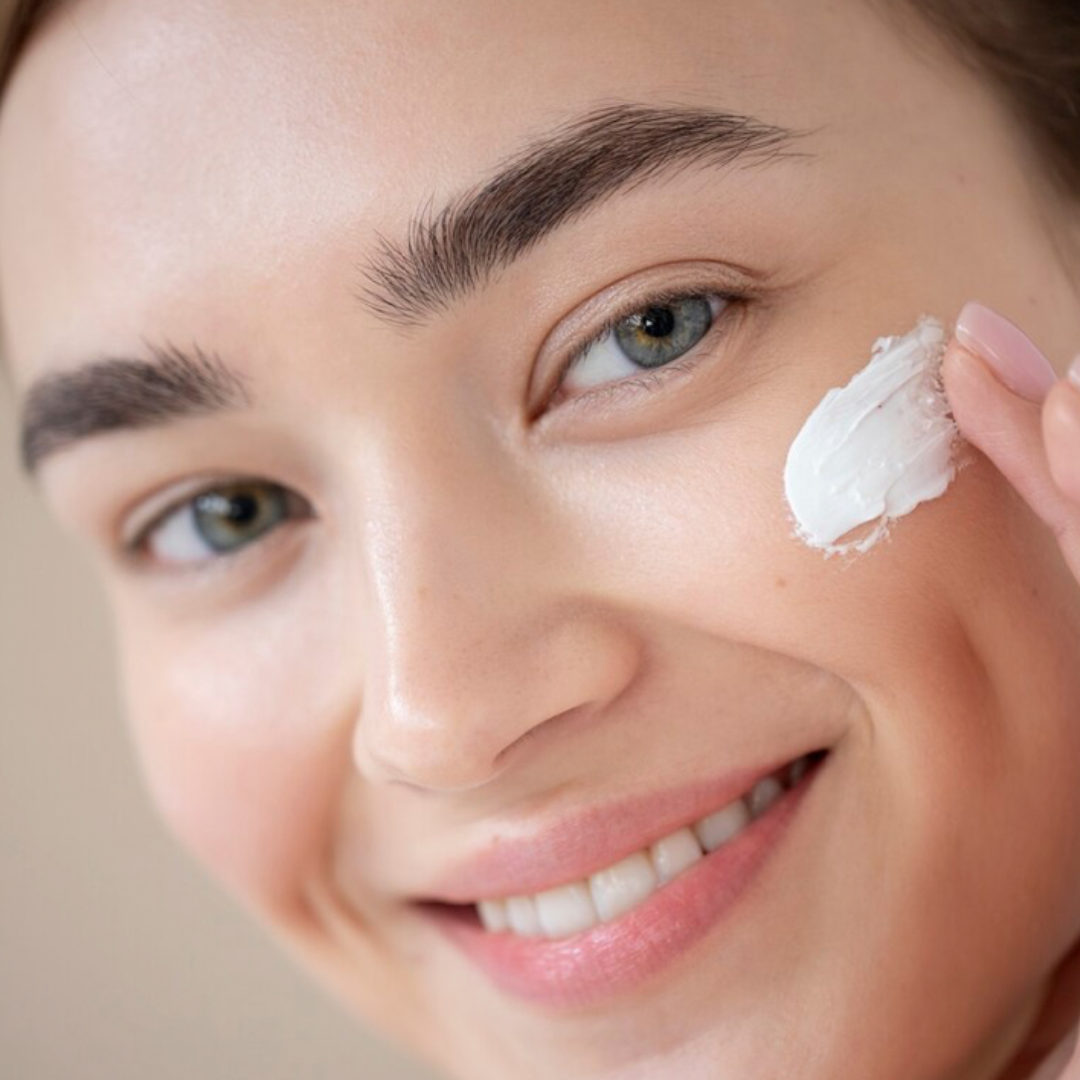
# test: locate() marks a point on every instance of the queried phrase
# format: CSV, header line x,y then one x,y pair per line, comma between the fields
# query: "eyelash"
x,y
136,549
648,381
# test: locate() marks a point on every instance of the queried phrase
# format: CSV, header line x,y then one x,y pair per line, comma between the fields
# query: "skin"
x,y
495,618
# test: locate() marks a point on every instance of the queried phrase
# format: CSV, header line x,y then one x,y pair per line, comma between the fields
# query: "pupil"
x,y
658,322
233,508
242,509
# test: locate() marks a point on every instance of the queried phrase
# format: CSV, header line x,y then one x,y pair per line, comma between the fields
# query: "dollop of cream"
x,y
874,449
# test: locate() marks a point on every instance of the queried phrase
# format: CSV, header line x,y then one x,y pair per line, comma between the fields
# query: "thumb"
x,y
1007,401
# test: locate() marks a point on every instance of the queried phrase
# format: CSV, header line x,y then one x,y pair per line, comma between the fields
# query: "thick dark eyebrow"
x,y
113,394
445,254
448,253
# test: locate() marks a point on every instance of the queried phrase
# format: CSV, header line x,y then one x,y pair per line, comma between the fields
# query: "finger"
x,y
1007,429
991,371
1061,433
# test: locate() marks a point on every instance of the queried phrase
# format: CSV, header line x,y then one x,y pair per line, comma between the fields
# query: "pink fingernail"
x,y
1007,349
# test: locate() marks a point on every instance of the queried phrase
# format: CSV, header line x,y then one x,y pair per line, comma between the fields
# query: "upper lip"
x,y
575,846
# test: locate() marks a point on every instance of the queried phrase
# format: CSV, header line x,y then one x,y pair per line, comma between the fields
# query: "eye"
x,y
218,521
649,338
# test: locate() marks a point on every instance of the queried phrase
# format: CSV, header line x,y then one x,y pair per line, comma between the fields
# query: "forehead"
x,y
150,149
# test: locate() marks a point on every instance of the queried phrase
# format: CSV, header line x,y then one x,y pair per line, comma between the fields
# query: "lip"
x,y
582,844
579,971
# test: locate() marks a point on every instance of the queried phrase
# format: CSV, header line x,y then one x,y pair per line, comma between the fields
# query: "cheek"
x,y
967,591
954,833
242,728
959,632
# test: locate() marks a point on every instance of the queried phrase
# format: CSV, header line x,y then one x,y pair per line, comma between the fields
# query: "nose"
x,y
481,648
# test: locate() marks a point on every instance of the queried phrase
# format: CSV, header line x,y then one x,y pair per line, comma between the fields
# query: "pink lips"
x,y
599,836
578,971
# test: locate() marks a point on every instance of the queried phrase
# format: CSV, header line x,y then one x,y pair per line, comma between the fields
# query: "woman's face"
x,y
509,601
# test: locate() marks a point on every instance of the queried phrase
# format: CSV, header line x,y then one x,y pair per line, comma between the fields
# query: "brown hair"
x,y
1027,50
1028,53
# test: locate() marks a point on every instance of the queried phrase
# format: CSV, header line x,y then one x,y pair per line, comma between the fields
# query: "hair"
x,y
1028,51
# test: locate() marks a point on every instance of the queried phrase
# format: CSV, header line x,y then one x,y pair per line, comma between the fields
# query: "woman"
x,y
424,378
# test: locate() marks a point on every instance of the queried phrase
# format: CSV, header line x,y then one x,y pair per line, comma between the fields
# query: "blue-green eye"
x,y
220,521
649,338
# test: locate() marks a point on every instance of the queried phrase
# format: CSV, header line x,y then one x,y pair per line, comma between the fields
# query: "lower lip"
x,y
613,958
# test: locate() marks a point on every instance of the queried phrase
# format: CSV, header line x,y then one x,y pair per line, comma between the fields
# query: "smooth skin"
x,y
501,610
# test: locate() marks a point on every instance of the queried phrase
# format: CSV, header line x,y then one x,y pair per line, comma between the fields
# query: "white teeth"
x,y
623,886
493,915
566,910
720,827
521,911
609,893
674,854
765,793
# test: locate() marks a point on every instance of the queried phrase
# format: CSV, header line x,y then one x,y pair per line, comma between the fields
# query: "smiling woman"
x,y
422,378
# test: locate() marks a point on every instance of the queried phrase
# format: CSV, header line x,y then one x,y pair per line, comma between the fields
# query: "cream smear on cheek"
x,y
874,449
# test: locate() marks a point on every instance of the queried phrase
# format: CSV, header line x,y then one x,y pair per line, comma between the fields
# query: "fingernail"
x,y
1007,349
1074,372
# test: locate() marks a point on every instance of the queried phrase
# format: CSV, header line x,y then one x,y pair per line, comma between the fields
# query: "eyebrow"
x,y
117,393
448,253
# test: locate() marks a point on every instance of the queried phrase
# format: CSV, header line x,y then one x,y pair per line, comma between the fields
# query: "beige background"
x,y
119,960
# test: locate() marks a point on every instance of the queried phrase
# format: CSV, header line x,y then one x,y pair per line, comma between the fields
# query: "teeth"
x,y
524,920
623,886
765,793
566,910
674,854
720,827
493,915
609,893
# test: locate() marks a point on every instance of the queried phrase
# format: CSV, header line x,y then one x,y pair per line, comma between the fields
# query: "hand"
x,y
1009,402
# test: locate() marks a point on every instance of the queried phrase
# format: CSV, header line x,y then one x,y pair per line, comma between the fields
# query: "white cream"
x,y
874,449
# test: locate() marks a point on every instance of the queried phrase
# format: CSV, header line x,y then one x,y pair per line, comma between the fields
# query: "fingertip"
x,y
967,381
1061,435
1015,359
1074,373
959,359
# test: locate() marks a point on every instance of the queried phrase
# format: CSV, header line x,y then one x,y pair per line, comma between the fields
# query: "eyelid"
x,y
652,377
152,511
135,539
658,299
598,315
619,390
